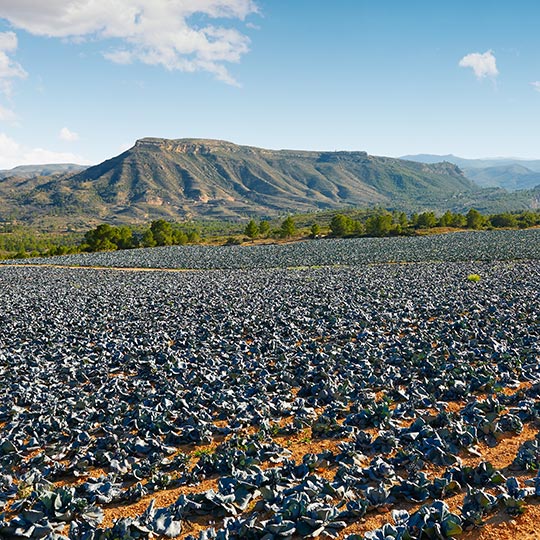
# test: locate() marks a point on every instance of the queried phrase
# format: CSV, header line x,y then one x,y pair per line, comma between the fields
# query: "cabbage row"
x,y
462,246
111,381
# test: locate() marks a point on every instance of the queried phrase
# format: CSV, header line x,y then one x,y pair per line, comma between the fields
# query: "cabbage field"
x,y
296,391
460,246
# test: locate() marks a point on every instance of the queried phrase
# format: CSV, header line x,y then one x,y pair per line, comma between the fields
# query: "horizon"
x,y
405,156
80,80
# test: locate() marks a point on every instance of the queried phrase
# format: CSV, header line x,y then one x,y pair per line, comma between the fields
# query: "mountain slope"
x,y
506,173
190,178
511,177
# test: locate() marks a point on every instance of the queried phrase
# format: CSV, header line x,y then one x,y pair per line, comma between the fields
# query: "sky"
x,y
82,80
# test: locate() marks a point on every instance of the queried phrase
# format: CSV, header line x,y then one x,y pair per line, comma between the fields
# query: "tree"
x,y
504,220
475,220
179,237
105,237
264,228
379,225
341,225
251,230
123,237
528,219
162,232
315,230
458,221
288,227
193,237
147,239
402,220
426,220
446,219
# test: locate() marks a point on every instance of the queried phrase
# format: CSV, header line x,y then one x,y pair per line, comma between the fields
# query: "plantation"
x,y
290,391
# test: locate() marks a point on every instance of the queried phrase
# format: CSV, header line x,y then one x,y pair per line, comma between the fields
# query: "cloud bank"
x,y
185,35
13,154
483,64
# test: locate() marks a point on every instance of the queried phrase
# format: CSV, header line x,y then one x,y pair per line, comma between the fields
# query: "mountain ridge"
x,y
181,179
30,171
507,173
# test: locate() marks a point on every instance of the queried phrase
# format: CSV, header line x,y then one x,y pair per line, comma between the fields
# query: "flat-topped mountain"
x,y
218,178
185,178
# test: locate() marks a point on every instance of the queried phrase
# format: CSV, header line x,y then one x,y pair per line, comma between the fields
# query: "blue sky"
x,y
82,80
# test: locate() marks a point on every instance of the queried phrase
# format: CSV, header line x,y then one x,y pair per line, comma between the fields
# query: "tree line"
x,y
105,237
398,223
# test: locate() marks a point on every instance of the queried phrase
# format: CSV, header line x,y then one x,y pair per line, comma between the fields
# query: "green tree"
x,y
402,220
193,237
123,237
102,238
251,230
315,230
179,237
475,220
458,220
503,220
341,225
379,225
264,228
288,227
446,219
426,220
147,239
162,232
528,219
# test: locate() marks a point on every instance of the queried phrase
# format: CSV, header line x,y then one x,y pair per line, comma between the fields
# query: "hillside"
x,y
194,178
511,177
184,178
507,173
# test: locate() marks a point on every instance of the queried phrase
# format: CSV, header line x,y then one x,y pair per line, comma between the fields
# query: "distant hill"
x,y
507,173
195,178
30,171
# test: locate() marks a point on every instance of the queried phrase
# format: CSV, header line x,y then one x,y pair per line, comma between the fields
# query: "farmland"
x,y
301,390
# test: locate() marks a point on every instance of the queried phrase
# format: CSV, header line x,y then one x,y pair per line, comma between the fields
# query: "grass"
x,y
474,278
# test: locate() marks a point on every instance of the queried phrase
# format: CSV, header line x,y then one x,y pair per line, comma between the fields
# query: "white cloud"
x,y
536,85
176,34
12,154
9,69
484,65
68,135
7,115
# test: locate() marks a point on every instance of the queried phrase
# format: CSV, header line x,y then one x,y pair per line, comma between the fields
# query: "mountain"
x,y
511,177
507,173
31,171
196,178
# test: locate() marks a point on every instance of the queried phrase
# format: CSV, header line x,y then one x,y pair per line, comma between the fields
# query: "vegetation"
x,y
386,223
252,229
20,242
396,387
288,227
